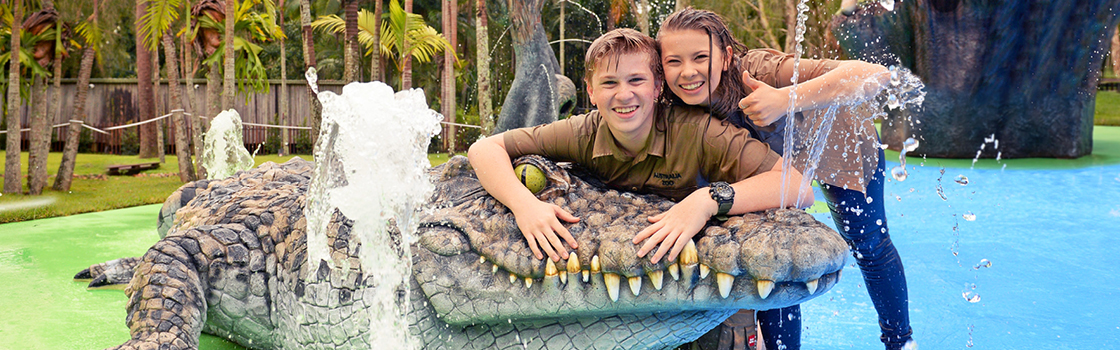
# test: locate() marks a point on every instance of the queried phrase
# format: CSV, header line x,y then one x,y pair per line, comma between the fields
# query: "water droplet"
x,y
312,79
879,222
899,198
961,179
971,296
887,4
899,173
969,216
892,102
983,263
869,200
910,144
858,255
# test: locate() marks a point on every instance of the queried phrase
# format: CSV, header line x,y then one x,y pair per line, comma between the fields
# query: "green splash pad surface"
x,y
43,307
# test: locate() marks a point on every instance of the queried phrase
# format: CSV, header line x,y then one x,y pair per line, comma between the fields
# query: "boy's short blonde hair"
x,y
621,41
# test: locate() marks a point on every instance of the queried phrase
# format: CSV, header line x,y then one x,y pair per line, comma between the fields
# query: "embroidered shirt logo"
x,y
667,179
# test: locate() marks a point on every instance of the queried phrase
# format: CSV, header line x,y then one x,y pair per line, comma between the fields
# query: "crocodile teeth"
x,y
812,286
512,278
704,270
550,268
764,288
689,255
563,277
528,282
658,278
635,284
611,280
586,276
724,281
493,268
595,268
482,260
573,263
675,271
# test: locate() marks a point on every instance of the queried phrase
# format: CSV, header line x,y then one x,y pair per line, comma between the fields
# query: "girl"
x,y
702,64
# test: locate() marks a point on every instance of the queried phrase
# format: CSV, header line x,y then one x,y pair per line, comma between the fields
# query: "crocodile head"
x,y
474,267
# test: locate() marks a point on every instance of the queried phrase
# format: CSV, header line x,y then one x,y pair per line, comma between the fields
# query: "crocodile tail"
x,y
166,305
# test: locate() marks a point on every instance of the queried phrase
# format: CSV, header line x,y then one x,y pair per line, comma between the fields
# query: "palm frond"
x,y
158,19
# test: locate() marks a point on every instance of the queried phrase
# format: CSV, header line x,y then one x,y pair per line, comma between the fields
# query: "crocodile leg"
x,y
109,273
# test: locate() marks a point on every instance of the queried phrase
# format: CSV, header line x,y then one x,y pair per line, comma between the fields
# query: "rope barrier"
x,y
106,130
463,125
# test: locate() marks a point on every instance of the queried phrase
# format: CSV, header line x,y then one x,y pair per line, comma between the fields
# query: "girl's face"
x,y
685,57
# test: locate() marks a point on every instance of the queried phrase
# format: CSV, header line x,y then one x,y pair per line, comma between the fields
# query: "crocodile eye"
x,y
531,176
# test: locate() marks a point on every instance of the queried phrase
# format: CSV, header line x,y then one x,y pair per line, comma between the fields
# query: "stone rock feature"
x,y
1022,72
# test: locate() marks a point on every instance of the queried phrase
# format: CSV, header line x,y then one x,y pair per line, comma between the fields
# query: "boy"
x,y
633,143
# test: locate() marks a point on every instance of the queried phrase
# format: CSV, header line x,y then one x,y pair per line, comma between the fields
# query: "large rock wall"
x,y
1025,71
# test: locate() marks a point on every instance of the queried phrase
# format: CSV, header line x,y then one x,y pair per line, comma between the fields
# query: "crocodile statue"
x,y
232,262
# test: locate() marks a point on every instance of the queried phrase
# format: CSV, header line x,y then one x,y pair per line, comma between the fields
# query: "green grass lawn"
x,y
91,190
1108,108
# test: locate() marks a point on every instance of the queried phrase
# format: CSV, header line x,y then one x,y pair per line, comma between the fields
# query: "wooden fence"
x,y
113,102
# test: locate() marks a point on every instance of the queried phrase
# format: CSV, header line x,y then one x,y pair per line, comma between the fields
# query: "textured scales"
x,y
233,262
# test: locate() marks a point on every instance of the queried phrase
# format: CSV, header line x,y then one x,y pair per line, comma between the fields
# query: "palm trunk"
x,y
351,50
145,94
12,177
195,123
447,102
375,70
406,71
1114,52
158,106
308,62
228,91
182,146
40,138
283,110
642,12
70,152
485,106
681,5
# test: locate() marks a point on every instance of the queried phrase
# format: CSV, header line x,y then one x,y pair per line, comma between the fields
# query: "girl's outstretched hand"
x,y
765,104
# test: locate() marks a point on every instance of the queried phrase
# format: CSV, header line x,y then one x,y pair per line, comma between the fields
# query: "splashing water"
x,y
887,4
312,79
969,216
962,180
899,172
371,162
223,151
983,263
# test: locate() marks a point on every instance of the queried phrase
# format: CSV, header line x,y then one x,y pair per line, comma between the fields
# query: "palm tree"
x,y
12,182
375,70
447,83
482,37
422,42
228,63
350,46
406,66
308,63
154,28
145,93
90,32
46,31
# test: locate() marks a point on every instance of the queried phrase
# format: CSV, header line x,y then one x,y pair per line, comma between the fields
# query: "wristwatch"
x,y
724,196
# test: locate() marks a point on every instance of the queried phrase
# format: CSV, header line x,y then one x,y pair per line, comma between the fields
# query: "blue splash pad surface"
x,y
1053,240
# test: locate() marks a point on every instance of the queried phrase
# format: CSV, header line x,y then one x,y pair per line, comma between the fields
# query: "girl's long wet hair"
x,y
724,101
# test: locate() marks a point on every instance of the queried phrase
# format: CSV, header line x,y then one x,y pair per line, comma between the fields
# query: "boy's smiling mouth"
x,y
625,110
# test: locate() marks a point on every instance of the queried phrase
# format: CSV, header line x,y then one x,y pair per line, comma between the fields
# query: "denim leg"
x,y
864,225
781,328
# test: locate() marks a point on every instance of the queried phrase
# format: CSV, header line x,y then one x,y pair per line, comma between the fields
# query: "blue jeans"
x,y
864,226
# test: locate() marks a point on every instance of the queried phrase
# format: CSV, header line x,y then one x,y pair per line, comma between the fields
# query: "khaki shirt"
x,y
692,146
849,157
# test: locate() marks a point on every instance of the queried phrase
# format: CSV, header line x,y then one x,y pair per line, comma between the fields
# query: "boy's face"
x,y
685,57
625,92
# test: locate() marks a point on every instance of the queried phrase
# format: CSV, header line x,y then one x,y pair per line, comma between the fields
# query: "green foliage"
x,y
424,42
158,20
250,27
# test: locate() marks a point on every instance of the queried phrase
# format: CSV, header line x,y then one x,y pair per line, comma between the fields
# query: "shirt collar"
x,y
605,144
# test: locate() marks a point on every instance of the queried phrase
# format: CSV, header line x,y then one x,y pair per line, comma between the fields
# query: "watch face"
x,y
723,191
